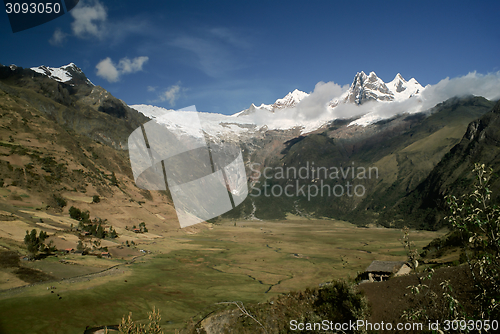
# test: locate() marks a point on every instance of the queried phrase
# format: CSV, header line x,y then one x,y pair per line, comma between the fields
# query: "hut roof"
x,y
385,266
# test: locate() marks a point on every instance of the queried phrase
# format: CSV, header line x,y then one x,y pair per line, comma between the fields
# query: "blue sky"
x,y
224,55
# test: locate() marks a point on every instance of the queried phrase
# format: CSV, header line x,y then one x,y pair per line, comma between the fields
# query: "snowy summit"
x,y
69,74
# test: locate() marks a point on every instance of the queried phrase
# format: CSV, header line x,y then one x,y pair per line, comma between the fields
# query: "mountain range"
x,y
420,155
364,88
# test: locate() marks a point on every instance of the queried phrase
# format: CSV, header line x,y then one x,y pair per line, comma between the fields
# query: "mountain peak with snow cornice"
x,y
68,74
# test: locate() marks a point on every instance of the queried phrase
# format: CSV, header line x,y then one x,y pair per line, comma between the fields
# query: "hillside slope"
x,y
61,144
480,144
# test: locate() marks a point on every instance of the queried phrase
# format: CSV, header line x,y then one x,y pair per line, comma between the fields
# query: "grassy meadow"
x,y
184,275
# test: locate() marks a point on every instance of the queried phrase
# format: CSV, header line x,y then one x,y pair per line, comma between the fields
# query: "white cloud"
x,y
90,18
473,83
127,66
58,37
314,105
171,94
108,70
91,21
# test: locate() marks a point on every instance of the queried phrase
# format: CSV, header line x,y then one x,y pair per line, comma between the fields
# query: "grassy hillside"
x,y
56,153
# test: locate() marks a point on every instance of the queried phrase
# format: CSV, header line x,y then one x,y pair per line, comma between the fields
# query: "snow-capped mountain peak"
x,y
403,89
290,100
365,88
70,74
371,88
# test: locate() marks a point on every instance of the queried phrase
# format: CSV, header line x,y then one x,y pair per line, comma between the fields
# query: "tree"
x,y
112,233
114,181
85,215
100,231
96,199
476,223
50,247
60,201
75,213
35,243
478,219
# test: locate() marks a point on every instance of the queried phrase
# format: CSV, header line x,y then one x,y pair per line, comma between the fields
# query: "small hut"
x,y
381,270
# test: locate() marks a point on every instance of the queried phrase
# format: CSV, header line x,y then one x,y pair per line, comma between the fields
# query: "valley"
x,y
185,275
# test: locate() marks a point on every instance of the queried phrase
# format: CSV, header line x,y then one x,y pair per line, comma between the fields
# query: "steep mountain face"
x,y
73,101
290,100
366,88
452,176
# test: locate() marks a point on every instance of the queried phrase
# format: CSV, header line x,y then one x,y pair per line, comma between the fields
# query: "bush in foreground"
x,y
337,302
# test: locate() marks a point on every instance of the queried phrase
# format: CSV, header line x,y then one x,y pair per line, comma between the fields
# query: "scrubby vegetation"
x,y
94,227
128,326
35,243
338,302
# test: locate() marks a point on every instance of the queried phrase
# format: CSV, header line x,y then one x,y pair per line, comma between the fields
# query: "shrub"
x,y
340,302
75,213
60,201
128,326
337,302
114,180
